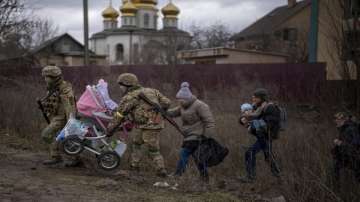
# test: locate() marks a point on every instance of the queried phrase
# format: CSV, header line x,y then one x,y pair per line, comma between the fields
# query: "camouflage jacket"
x,y
60,102
141,113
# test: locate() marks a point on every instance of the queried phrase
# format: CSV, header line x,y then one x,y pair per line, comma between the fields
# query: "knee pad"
x,y
47,139
154,151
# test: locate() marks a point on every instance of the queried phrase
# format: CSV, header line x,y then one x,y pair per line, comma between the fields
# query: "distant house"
x,y
284,30
62,50
223,55
338,37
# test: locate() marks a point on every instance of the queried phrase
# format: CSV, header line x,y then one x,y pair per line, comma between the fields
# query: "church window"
x,y
119,52
155,21
146,20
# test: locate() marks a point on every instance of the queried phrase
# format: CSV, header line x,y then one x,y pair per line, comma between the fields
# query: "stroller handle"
x,y
96,138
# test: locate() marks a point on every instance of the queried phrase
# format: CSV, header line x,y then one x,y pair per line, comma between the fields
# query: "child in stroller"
x,y
88,130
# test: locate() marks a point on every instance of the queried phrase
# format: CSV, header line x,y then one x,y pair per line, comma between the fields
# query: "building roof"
x,y
268,23
55,40
221,52
139,31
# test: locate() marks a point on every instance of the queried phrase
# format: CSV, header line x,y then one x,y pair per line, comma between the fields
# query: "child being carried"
x,y
251,119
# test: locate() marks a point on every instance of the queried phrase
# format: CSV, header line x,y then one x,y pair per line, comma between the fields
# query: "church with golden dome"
x,y
131,34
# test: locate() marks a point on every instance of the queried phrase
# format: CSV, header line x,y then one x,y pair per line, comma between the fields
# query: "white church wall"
x,y
98,46
124,40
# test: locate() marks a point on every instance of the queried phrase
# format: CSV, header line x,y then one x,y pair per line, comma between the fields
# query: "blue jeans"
x,y
265,145
185,153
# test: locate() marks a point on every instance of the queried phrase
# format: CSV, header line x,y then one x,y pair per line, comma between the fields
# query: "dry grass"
x,y
303,150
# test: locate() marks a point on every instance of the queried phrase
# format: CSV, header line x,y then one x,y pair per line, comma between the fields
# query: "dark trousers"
x,y
345,157
186,151
265,145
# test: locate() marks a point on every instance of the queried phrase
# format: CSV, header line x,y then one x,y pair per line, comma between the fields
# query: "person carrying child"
x,y
263,121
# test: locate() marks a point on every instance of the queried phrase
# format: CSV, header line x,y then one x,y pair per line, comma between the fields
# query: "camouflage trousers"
x,y
49,134
150,139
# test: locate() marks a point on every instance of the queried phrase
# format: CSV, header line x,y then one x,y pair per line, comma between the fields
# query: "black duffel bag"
x,y
210,152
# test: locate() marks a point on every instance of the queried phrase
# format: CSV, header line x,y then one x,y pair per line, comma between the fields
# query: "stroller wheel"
x,y
109,160
73,145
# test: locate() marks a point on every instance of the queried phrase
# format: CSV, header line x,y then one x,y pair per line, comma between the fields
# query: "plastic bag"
x,y
75,127
102,89
61,136
119,147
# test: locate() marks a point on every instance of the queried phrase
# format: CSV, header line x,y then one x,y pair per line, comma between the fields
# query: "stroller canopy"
x,y
95,99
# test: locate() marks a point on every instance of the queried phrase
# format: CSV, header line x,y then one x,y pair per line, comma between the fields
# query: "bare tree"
x,y
41,31
14,26
344,34
215,35
20,30
198,40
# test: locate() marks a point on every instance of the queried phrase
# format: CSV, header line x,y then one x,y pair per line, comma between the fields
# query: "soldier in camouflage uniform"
x,y
58,105
148,122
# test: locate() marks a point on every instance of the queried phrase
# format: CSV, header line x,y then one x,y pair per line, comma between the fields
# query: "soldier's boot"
x,y
55,156
53,161
76,162
159,163
135,157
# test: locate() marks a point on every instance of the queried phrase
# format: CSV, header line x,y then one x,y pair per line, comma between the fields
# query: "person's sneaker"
x,y
205,179
174,175
52,161
246,179
162,173
276,174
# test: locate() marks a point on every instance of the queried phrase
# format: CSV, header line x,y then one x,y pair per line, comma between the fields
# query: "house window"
x,y
351,47
289,34
278,34
66,46
352,8
146,20
119,52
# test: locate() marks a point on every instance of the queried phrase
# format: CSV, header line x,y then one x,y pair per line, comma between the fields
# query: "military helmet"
x,y
51,71
128,80
342,115
261,93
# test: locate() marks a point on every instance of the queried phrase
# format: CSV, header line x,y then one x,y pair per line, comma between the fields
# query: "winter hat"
x,y
261,93
184,92
246,107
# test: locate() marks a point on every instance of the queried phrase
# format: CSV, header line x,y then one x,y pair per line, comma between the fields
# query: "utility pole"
x,y
314,28
131,48
86,33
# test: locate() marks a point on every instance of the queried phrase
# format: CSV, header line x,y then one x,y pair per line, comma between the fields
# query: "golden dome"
x,y
110,12
170,10
128,8
152,2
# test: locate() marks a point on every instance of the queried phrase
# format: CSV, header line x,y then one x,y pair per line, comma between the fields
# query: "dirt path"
x,y
24,178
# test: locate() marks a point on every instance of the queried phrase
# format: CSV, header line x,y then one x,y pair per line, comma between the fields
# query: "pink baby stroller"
x,y
89,132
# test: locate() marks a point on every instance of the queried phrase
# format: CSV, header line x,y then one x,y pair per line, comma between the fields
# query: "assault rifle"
x,y
41,107
163,113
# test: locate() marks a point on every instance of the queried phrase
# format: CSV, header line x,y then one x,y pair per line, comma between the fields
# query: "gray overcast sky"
x,y
237,14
